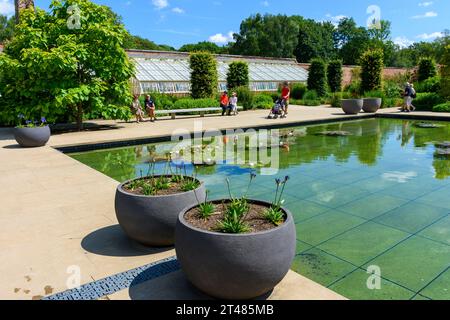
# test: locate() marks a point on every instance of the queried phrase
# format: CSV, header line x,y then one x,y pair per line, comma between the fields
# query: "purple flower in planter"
x,y
43,120
28,122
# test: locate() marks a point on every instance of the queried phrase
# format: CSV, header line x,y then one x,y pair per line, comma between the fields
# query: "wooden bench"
x,y
201,111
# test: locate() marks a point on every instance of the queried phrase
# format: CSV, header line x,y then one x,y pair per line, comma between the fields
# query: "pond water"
x,y
376,199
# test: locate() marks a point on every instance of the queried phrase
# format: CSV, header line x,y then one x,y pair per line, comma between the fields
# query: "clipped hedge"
x,y
426,101
317,78
262,101
334,75
245,97
427,69
372,64
238,75
204,77
195,103
443,107
298,90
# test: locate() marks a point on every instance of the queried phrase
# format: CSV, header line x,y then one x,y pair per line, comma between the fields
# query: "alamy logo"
x,y
374,19
374,280
74,20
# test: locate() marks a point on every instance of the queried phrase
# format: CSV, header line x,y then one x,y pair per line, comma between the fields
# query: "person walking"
x,y
285,96
409,95
136,109
150,107
234,104
224,102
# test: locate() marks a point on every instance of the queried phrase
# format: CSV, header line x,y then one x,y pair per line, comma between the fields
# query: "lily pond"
x,y
369,197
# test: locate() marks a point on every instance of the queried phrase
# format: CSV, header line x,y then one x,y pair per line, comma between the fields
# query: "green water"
x,y
379,197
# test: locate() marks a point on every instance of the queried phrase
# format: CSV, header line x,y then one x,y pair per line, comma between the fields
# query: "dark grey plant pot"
x,y
151,220
32,137
372,105
235,266
352,106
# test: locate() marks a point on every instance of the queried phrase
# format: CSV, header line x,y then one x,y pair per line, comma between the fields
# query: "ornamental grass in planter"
x,y
236,248
147,208
32,134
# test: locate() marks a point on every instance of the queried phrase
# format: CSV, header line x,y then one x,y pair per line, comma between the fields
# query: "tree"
x,y
445,73
427,69
315,40
22,5
334,75
351,41
6,28
64,63
204,78
139,43
317,78
238,75
372,66
268,35
203,46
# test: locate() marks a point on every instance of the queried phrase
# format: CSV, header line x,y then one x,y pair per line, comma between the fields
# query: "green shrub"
x,y
245,97
376,94
393,102
426,101
297,91
353,89
372,64
445,73
204,78
430,85
392,89
238,75
334,75
335,100
195,103
443,107
311,95
262,101
311,103
162,101
317,78
427,69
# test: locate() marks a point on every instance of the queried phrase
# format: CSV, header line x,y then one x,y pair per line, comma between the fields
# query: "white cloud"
x,y
265,3
7,7
428,36
403,42
429,14
220,38
178,10
426,4
160,4
335,19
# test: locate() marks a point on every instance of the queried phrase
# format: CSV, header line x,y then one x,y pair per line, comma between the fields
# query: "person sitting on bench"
x,y
224,102
233,104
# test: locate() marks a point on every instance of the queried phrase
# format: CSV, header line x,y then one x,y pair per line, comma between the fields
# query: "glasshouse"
x,y
168,72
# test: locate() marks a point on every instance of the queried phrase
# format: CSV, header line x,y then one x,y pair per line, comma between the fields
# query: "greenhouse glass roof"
x,y
173,67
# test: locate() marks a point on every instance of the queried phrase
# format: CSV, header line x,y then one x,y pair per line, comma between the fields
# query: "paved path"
x,y
57,216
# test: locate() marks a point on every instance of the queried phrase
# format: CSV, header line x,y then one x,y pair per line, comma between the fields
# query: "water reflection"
x,y
376,143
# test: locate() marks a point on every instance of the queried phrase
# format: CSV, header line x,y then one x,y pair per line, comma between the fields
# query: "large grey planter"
x,y
352,106
151,220
372,105
235,266
32,137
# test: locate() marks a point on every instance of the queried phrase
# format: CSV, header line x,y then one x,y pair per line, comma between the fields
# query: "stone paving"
x,y
57,216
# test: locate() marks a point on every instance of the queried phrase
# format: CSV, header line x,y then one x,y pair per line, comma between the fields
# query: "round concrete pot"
x,y
32,137
235,266
352,106
151,220
372,105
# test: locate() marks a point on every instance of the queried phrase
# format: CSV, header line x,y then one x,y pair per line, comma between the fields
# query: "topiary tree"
x,y
204,78
427,69
238,75
372,64
317,78
445,74
334,75
64,63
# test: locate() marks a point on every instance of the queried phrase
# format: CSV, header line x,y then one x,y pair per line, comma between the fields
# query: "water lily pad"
x,y
335,133
443,145
427,125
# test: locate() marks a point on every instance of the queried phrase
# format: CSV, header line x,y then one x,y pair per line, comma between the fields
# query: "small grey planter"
x,y
372,105
235,266
352,106
151,220
32,137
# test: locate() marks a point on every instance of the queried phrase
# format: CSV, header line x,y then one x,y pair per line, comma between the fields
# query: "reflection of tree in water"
x,y
119,164
442,168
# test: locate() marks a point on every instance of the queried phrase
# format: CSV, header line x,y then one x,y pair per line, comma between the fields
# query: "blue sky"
x,y
176,22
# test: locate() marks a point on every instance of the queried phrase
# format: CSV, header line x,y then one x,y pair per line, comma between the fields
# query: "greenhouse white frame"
x,y
169,72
